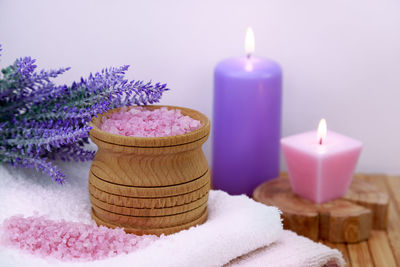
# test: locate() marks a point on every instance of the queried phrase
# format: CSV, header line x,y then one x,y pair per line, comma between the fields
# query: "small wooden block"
x,y
345,220
367,195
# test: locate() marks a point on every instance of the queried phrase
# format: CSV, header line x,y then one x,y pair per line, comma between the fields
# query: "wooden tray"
x,y
345,220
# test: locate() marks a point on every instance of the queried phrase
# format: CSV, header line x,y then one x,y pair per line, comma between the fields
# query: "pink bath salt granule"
x,y
68,241
142,122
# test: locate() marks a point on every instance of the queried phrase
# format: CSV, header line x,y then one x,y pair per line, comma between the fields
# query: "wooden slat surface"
x,y
383,247
380,249
359,254
394,216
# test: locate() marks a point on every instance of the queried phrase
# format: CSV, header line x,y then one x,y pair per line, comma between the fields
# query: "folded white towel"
x,y
236,225
290,250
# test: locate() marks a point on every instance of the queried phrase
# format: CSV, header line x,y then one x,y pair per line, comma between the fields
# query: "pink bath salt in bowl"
x,y
68,241
142,122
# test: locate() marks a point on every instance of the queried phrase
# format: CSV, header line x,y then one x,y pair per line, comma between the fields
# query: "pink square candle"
x,y
320,171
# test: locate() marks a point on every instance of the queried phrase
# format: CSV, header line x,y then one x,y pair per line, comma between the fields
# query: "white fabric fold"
x,y
291,250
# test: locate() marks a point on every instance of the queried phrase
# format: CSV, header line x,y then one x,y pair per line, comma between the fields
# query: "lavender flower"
x,y
41,121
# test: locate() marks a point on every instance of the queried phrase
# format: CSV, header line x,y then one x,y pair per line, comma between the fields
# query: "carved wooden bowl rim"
x,y
167,141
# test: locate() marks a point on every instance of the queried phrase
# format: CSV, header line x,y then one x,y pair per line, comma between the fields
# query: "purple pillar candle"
x,y
246,122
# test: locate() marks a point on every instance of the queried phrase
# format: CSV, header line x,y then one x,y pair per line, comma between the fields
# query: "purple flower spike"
x,y
42,121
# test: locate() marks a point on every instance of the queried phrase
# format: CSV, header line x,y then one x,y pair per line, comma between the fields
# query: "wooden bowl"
x,y
152,231
150,161
164,211
148,202
150,192
149,172
148,222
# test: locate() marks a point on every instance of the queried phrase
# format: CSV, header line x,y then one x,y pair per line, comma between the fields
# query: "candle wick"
x,y
320,141
249,55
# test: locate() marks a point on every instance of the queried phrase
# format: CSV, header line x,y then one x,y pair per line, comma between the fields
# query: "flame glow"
x,y
249,42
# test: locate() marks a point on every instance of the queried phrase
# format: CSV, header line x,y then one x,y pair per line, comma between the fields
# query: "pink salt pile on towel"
x,y
68,240
141,122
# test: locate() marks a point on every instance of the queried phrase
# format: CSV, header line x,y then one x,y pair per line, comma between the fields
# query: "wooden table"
x,y
383,247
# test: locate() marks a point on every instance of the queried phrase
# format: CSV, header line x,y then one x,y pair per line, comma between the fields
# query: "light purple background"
x,y
340,59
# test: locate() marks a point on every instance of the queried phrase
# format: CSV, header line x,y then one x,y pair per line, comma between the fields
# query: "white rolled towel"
x,y
236,225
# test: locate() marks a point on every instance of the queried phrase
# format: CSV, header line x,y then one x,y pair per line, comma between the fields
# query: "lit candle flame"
x,y
249,43
321,133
